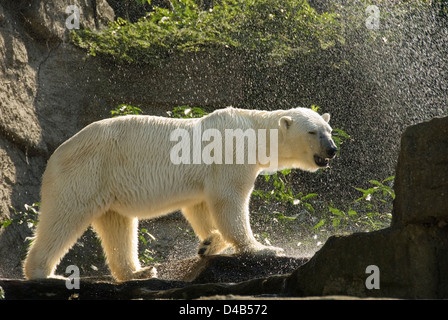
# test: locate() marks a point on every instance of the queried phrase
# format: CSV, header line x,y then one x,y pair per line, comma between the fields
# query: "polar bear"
x,y
116,171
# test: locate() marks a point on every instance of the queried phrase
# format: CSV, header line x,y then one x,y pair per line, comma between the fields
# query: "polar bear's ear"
x,y
326,117
285,123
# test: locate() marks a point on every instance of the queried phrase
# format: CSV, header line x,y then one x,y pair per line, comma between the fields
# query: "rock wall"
x,y
422,176
40,98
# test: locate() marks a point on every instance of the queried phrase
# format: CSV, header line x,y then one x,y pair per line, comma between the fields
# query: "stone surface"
x,y
412,255
185,279
227,268
47,20
421,181
412,261
56,289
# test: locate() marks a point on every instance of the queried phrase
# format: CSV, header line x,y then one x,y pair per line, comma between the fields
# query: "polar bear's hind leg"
x,y
55,234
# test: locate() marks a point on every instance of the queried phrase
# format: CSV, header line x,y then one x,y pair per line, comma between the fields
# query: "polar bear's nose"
x,y
331,151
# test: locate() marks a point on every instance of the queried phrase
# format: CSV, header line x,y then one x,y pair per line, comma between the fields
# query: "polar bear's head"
x,y
305,141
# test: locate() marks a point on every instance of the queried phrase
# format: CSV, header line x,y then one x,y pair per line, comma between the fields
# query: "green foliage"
x,y
28,217
282,193
379,188
269,27
339,136
145,238
372,212
181,112
315,108
186,112
124,109
375,205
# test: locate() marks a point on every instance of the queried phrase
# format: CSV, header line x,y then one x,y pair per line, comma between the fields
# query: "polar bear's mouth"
x,y
321,162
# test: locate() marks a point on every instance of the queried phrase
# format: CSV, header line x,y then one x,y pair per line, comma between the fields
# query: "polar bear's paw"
x,y
270,251
263,250
145,273
213,244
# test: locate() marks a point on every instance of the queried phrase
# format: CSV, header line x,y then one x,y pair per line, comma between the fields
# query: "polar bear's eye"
x,y
312,132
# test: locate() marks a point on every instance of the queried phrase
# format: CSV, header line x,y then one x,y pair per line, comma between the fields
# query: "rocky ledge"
x,y
185,279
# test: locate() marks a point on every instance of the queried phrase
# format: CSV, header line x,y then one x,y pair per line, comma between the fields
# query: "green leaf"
x,y
341,133
337,212
309,207
315,108
336,222
308,196
375,182
320,224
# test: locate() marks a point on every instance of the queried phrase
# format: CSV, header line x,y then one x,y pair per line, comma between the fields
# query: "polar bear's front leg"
x,y
203,225
119,239
231,216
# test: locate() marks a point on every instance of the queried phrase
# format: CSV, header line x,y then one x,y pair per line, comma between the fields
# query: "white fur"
x,y
118,170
